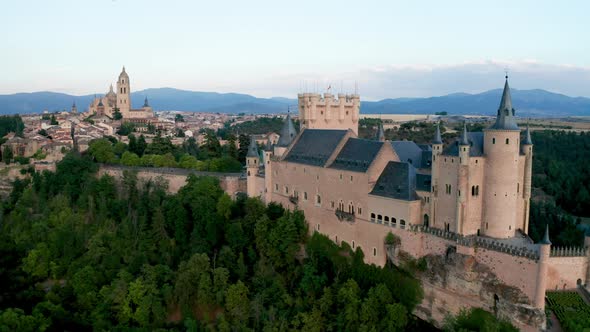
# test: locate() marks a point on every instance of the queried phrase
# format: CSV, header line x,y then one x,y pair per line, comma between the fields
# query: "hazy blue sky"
x,y
273,48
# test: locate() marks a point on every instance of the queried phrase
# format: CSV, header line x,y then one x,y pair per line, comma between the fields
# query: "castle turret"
x,y
268,153
501,216
462,179
252,164
288,133
437,148
542,267
124,94
145,103
527,150
380,136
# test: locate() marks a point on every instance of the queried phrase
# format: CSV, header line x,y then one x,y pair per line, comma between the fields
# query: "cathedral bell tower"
x,y
124,94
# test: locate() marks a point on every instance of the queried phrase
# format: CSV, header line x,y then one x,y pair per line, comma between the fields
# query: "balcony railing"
x,y
344,216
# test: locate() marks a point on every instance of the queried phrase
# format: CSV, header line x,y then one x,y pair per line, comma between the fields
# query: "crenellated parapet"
x,y
569,251
317,111
519,251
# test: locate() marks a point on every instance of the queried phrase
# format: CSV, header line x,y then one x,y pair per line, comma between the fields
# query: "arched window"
x,y
426,220
379,219
517,187
353,245
318,199
248,173
393,222
507,141
493,140
318,227
372,217
386,220
402,224
477,190
374,251
472,190
305,195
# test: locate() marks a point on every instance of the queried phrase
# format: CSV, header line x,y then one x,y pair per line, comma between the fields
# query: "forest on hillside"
x,y
79,252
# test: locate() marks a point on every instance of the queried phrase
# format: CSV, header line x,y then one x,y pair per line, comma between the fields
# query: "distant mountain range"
x,y
527,103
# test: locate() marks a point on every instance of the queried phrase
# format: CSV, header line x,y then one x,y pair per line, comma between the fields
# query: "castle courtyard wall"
x,y
564,272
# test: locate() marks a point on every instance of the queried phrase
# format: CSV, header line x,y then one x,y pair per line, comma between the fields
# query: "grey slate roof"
x,y
475,145
288,132
252,148
315,146
398,180
437,138
412,153
505,118
357,155
423,182
527,134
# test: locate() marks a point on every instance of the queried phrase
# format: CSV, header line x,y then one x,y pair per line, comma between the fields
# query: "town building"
x,y
463,208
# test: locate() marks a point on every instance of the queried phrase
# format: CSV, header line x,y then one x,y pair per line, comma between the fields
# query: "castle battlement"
x,y
329,99
570,251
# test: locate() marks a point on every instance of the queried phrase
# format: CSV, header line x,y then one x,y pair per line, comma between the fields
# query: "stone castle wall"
x,y
231,183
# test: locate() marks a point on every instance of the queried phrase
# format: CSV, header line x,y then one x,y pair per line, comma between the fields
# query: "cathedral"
x,y
121,100
466,204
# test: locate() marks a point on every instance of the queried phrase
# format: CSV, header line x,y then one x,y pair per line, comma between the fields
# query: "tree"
x,y
237,303
190,146
243,149
7,154
117,114
130,159
179,118
102,150
232,149
53,120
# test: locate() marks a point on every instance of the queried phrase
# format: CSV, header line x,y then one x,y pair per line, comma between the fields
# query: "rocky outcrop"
x,y
454,281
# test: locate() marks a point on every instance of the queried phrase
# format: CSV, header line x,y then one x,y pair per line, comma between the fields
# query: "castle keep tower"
x,y
123,94
502,181
325,112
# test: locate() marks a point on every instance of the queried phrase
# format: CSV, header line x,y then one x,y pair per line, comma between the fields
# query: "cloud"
x,y
434,80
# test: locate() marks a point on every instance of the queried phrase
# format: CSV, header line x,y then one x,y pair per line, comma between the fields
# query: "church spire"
x,y
380,133
437,138
145,103
464,138
505,118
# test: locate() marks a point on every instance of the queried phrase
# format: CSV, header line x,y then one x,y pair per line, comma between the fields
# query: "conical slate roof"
x,y
268,146
527,134
145,103
252,148
464,139
380,133
546,237
505,119
288,132
437,138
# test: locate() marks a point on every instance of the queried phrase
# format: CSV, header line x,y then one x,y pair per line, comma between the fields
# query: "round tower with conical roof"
x,y
252,164
527,150
124,94
542,267
287,136
462,179
437,148
501,213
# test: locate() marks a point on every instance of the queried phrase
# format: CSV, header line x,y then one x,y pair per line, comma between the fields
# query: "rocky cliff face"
x,y
456,281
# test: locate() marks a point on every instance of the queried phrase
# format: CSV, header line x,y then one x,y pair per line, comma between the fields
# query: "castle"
x,y
464,208
121,100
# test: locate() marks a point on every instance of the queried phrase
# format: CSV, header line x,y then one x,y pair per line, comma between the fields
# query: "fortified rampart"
x,y
231,183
